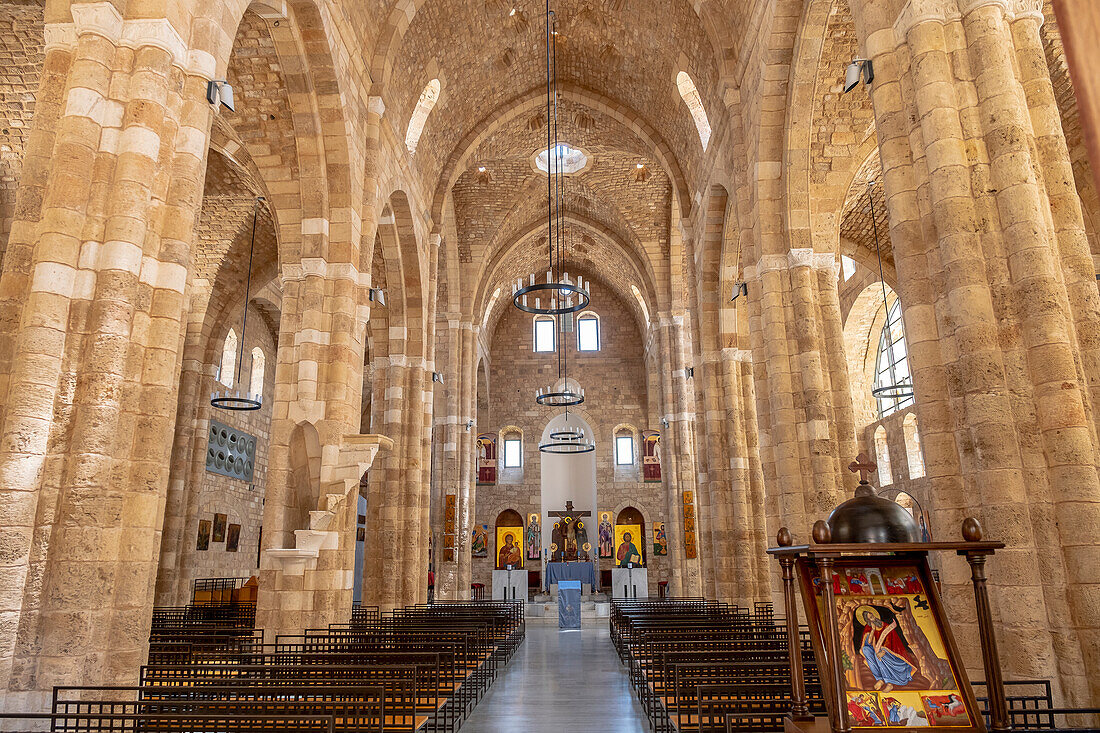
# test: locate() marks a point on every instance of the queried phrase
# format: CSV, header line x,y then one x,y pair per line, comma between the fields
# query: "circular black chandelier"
x,y
570,441
902,389
559,397
235,399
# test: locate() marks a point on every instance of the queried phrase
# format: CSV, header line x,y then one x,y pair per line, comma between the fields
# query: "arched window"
x,y
229,359
424,107
588,332
545,337
259,363
882,454
624,448
691,98
847,267
641,302
912,447
892,363
513,450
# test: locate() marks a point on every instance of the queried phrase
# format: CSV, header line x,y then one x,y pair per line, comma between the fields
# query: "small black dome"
x,y
870,518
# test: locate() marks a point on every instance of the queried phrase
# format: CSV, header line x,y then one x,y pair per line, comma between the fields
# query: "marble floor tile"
x,y
561,682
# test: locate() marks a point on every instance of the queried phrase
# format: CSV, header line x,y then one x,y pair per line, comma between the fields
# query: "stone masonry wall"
x,y
614,381
241,501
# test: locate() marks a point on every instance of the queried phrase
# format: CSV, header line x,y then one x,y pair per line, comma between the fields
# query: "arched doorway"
x,y
567,477
629,530
509,540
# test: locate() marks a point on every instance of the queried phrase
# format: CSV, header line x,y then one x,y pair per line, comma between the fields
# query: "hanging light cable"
x,y
569,440
560,394
563,294
237,400
902,389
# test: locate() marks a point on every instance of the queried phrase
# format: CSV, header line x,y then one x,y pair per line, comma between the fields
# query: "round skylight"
x,y
571,159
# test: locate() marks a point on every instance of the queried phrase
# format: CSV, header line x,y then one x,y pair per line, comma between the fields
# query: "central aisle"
x,y
560,681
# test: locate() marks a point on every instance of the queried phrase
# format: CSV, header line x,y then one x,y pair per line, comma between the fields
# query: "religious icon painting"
x,y
533,537
509,549
203,542
660,539
689,524
689,546
233,537
479,541
689,498
361,534
448,554
899,664
628,541
651,457
486,459
689,511
219,528
607,535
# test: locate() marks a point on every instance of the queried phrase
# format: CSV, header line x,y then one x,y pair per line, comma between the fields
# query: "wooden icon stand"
x,y
885,592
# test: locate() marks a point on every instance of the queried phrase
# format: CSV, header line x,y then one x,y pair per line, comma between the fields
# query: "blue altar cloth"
x,y
585,572
569,604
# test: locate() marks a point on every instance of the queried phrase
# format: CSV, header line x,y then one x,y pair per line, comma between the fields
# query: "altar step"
x,y
593,597
590,609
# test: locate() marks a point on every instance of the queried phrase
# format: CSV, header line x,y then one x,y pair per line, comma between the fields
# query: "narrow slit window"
x,y
229,359
513,453
588,333
544,334
424,107
624,450
694,102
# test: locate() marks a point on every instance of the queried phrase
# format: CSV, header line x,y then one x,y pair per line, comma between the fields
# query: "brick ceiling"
x,y
626,50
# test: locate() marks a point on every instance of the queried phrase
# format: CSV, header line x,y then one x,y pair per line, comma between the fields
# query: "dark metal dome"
x,y
870,518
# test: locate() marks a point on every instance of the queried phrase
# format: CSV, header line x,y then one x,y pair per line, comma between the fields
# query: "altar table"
x,y
585,572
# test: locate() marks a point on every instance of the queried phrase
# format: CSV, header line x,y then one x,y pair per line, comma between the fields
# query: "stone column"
x,y
92,351
678,469
1002,334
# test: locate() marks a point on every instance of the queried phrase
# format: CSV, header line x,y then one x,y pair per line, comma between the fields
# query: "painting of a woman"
x,y
509,554
884,651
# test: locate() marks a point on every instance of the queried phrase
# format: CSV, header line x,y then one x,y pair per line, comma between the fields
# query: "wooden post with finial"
x,y
799,709
822,535
995,686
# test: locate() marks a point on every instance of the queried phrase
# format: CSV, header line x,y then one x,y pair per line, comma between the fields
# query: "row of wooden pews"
x,y
420,668
702,666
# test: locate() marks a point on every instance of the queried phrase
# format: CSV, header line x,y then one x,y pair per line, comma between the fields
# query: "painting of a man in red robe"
x,y
486,459
651,456
857,582
864,711
883,649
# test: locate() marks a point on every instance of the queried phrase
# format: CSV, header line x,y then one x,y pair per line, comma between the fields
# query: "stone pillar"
x,y
1002,332
467,466
91,350
678,469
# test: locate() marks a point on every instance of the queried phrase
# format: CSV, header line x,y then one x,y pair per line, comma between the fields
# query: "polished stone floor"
x,y
560,682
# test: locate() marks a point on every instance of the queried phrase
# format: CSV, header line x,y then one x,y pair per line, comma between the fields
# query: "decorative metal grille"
x,y
230,452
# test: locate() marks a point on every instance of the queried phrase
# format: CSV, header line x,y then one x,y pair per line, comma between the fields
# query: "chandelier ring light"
x,y
235,400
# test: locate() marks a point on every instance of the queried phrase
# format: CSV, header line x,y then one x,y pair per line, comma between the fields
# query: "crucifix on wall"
x,y
570,535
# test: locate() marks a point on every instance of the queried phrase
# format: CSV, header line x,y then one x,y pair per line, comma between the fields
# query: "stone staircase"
x,y
544,607
308,585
